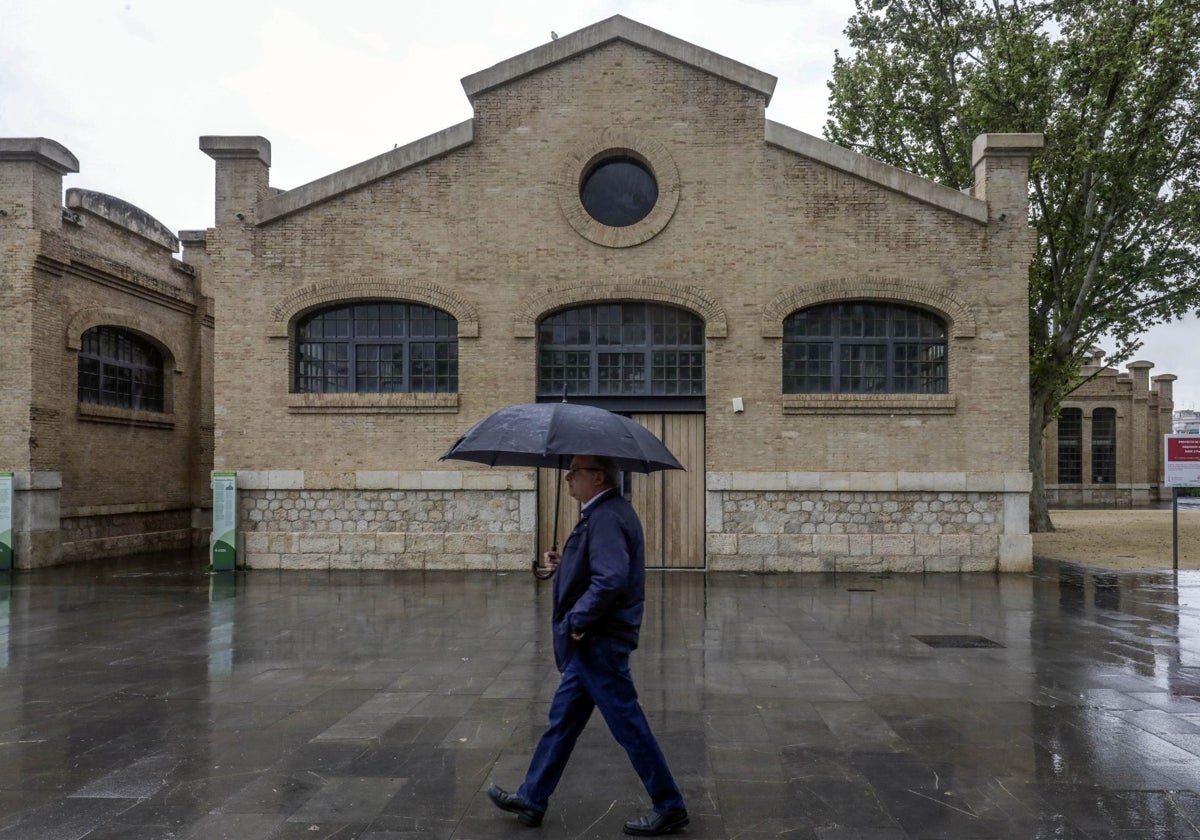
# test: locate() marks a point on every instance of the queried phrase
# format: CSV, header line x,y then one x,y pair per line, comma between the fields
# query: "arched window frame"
x,y
374,348
623,354
119,369
861,347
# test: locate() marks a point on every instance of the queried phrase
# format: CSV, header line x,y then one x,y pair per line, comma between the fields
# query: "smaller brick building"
x,y
105,369
1105,448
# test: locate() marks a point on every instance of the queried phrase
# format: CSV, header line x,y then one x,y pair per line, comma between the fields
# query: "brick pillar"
x,y
1139,432
31,184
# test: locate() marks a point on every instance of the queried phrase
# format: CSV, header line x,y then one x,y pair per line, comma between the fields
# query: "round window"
x,y
619,191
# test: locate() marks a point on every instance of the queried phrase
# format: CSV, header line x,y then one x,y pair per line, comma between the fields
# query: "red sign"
x,y
1181,465
1183,448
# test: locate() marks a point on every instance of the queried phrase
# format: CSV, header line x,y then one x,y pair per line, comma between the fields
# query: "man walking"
x,y
599,594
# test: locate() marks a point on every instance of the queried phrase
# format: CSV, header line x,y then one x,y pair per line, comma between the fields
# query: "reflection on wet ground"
x,y
148,699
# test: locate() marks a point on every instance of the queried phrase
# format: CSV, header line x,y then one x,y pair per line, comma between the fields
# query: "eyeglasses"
x,y
574,470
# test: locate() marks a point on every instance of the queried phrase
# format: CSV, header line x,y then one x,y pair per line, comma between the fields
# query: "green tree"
x,y
1115,194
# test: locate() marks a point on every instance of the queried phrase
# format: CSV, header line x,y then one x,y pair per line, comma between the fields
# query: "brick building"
x,y
1106,446
105,369
836,349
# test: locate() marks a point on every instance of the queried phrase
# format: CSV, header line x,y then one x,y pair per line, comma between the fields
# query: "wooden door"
x,y
670,504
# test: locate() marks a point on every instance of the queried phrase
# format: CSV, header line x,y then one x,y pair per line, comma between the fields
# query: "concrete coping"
x,y
124,215
361,174
42,150
237,147
991,145
871,482
618,28
869,169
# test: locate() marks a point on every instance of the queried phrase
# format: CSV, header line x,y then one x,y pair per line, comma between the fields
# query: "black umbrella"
x,y
548,434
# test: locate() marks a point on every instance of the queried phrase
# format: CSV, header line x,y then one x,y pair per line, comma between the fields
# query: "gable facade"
x,y
753,222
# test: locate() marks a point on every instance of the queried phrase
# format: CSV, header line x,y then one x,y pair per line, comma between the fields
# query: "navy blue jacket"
x,y
600,588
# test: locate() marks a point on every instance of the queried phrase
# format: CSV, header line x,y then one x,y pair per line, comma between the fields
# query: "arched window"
x,y
1104,446
621,350
864,347
1070,446
120,368
377,347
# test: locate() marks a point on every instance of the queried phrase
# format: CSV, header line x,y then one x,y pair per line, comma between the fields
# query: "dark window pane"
x,y
618,349
1104,446
121,369
864,347
374,336
619,191
1070,446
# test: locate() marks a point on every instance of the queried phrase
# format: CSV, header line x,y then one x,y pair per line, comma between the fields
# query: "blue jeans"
x,y
597,676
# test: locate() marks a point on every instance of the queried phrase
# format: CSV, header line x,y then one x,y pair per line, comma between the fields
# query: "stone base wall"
x,y
88,534
868,522
387,529
1104,495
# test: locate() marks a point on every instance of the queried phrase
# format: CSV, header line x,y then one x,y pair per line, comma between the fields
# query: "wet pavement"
x,y
148,699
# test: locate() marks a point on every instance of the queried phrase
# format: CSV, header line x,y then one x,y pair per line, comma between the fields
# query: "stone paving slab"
x,y
146,698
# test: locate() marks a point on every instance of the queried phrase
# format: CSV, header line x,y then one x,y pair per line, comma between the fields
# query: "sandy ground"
x,y
1121,539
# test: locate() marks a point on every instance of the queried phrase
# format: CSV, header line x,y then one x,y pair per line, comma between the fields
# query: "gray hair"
x,y
612,475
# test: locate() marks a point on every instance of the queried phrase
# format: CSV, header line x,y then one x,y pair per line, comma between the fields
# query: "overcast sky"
x,y
130,85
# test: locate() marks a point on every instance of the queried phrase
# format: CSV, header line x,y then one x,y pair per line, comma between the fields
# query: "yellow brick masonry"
x,y
766,219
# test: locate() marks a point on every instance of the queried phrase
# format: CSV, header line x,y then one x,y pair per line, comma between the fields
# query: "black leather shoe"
x,y
526,813
652,823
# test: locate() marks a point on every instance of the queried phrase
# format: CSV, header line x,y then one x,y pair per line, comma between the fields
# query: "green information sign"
x,y
6,523
224,532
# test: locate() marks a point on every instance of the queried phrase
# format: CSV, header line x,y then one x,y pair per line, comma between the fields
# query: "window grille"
x,y
119,368
377,347
1104,446
864,347
621,349
1070,446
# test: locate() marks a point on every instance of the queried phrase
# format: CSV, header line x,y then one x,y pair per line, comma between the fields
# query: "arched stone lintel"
x,y
691,298
339,291
958,314
99,316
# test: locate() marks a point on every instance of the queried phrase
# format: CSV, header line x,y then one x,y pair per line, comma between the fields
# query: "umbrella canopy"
x,y
548,434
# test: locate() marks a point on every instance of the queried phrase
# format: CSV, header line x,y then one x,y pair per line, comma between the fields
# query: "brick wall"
x,y
479,221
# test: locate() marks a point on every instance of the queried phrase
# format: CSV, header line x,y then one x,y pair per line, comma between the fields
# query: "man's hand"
x,y
577,637
551,559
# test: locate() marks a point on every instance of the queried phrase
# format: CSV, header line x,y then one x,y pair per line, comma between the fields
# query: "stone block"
x,y
758,544
1016,553
358,544
893,545
477,562
285,480
830,544
391,542
721,543
804,481
441,480
329,480
260,560
485,480
466,543
304,561
319,544
943,563
376,479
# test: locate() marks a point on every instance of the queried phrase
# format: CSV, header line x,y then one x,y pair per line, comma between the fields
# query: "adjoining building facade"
x,y
1105,448
836,349
105,370
1187,422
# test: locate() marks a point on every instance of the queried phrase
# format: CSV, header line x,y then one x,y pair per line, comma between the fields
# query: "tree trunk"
x,y
1039,513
